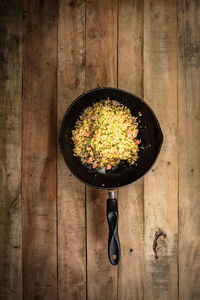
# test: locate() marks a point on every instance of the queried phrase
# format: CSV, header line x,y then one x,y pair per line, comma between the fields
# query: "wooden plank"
x,y
101,43
101,70
189,143
10,150
131,205
71,192
161,184
39,151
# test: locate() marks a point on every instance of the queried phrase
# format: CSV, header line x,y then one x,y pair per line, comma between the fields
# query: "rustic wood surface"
x,y
71,214
10,150
189,154
39,248
53,229
161,184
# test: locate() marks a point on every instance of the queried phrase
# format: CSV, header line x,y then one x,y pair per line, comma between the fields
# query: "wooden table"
x,y
53,229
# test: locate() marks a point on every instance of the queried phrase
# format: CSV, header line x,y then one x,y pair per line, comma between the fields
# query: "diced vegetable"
x,y
90,160
135,133
108,167
137,142
128,133
85,133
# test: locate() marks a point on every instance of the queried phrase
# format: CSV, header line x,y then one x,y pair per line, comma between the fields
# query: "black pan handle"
x,y
113,239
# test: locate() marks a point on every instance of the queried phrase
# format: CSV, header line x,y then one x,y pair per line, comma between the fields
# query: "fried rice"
x,y
105,134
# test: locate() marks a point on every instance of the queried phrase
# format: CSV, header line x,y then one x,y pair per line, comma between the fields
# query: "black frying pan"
x,y
150,134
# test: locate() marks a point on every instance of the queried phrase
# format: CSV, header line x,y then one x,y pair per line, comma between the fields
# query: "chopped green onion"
x,y
115,112
120,139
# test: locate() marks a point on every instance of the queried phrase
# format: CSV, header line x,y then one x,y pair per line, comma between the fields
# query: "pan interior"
x,y
149,132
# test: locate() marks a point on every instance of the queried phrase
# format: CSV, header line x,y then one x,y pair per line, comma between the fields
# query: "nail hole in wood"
x,y
131,250
72,4
114,256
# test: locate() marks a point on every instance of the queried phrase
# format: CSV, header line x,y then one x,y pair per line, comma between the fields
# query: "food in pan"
x,y
105,134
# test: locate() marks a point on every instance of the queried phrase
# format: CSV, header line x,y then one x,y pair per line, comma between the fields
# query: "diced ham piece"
x,y
128,133
89,148
89,160
108,167
130,120
111,159
94,136
94,166
85,133
135,133
137,142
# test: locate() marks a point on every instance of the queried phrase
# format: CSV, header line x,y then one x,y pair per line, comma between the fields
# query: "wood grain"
x,y
101,43
131,205
10,150
39,151
101,70
71,192
161,188
189,144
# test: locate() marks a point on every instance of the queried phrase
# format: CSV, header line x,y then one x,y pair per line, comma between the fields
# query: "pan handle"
x,y
113,239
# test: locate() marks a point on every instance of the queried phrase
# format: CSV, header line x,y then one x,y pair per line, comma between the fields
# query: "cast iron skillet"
x,y
150,134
